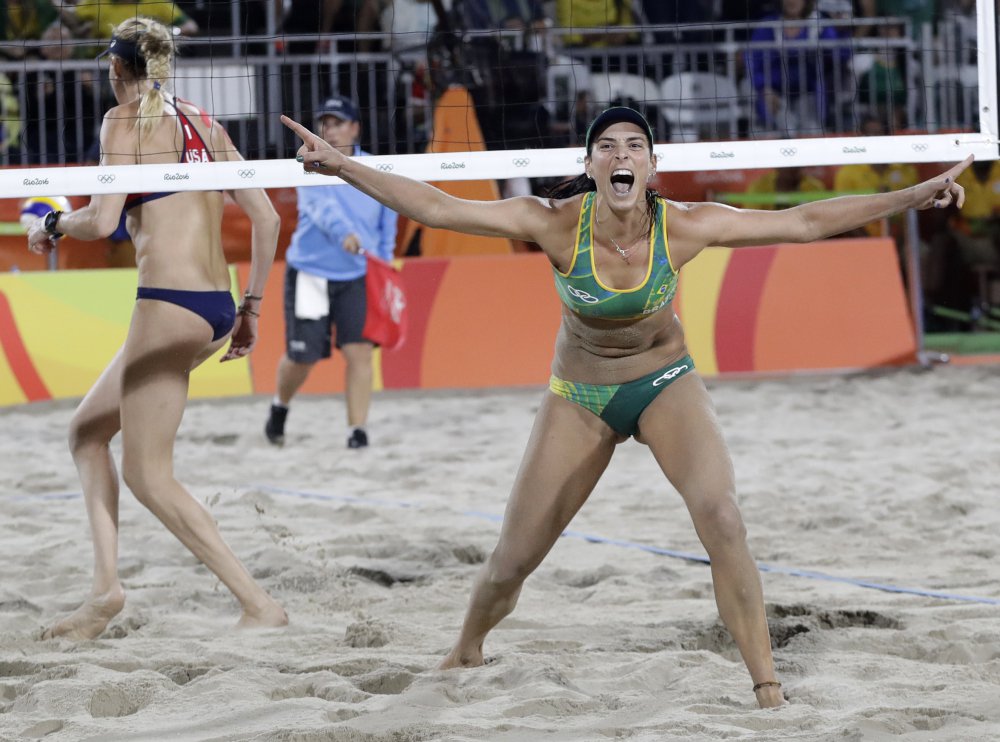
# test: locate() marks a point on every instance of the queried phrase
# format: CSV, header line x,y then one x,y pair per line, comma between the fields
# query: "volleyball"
x,y
36,207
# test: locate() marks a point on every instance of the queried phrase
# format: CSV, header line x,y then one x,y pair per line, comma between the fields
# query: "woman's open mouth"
x,y
622,181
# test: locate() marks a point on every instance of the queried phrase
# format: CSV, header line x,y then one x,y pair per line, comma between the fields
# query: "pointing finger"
x,y
298,128
960,167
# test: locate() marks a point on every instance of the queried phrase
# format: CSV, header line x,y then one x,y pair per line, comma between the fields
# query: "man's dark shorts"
x,y
308,340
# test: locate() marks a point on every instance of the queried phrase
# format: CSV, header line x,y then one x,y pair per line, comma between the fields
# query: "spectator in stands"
x,y
960,17
791,97
10,117
837,70
669,17
837,10
595,14
572,131
326,17
96,19
24,20
783,180
744,11
410,23
883,85
60,126
966,252
519,15
874,178
919,13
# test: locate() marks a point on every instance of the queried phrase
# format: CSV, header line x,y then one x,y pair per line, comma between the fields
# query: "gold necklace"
x,y
625,254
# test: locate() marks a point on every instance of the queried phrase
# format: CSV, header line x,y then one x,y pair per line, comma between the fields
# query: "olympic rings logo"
x,y
384,167
582,295
246,174
521,161
789,151
920,146
105,178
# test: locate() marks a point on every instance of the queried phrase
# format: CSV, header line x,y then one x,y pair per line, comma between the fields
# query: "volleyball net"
x,y
720,90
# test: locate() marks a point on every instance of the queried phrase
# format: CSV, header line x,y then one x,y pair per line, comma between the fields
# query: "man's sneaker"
x,y
358,439
275,427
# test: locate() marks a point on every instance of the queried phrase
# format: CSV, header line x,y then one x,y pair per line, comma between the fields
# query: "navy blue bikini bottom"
x,y
215,307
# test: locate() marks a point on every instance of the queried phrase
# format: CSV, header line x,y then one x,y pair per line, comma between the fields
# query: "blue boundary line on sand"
x,y
590,538
687,556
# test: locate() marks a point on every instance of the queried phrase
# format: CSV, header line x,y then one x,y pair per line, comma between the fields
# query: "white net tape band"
x,y
499,165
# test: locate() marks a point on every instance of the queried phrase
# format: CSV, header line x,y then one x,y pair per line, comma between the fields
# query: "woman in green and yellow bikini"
x,y
621,367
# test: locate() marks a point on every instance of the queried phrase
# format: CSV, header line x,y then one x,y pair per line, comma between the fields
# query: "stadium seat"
x,y
565,78
225,91
700,105
611,86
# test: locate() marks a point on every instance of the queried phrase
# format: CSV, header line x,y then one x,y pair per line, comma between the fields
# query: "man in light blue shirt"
x,y
325,281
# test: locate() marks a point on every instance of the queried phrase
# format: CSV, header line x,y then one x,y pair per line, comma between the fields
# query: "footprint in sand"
x,y
42,729
122,628
385,681
14,605
785,622
17,668
183,674
126,697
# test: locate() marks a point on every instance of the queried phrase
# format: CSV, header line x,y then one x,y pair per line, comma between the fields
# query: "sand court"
x,y
850,486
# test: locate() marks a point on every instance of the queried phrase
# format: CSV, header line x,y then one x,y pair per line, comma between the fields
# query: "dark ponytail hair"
x,y
582,183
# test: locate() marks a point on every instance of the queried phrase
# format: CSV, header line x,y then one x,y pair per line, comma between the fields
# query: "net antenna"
x,y
930,135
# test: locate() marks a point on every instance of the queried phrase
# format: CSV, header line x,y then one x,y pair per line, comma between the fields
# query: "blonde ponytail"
x,y
154,62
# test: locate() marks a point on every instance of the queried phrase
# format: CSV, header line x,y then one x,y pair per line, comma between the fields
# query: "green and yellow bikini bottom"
x,y
621,405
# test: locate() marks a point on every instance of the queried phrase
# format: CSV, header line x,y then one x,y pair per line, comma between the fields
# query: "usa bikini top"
x,y
195,150
581,289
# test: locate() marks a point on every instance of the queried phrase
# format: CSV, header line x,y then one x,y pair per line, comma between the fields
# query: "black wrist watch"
x,y
51,224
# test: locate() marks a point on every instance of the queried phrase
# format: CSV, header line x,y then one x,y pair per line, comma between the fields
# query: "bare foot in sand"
x,y
770,696
456,659
267,616
90,619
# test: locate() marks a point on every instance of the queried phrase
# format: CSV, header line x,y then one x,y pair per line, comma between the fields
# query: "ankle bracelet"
x,y
765,684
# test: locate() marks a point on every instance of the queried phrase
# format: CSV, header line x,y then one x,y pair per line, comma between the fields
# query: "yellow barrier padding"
x,y
71,323
698,308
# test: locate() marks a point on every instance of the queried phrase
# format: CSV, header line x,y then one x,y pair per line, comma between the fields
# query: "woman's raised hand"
x,y
315,154
942,190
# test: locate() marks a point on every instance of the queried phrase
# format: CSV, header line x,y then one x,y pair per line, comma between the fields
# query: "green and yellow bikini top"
x,y
581,289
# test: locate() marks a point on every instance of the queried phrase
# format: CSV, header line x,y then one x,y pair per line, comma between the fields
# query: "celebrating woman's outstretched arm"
x,y
521,218
711,224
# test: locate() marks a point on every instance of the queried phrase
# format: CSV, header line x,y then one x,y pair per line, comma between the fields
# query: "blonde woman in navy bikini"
x,y
621,367
183,314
